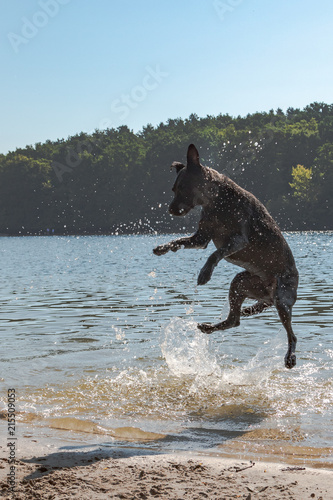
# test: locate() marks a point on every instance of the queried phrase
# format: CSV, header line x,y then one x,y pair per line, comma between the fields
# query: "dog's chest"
x,y
245,264
221,233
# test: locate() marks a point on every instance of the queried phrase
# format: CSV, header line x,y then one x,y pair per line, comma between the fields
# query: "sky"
x,y
79,65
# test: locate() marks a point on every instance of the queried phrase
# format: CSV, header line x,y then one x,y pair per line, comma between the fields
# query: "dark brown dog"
x,y
244,234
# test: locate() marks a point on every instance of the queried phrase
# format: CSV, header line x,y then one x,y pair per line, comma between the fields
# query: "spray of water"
x,y
186,349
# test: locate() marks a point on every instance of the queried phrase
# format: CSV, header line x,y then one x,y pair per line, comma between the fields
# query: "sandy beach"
x,y
129,473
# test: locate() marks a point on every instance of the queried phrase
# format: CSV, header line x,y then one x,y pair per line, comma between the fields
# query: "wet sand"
x,y
62,472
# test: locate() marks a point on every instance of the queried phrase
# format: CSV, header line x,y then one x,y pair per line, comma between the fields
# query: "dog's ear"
x,y
193,157
177,165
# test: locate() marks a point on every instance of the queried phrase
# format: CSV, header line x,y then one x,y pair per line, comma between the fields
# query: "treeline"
x,y
116,180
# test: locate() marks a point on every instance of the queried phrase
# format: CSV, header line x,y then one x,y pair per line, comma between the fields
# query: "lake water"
x,y
99,340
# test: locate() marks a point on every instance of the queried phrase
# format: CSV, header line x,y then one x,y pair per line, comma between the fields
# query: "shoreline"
x,y
64,470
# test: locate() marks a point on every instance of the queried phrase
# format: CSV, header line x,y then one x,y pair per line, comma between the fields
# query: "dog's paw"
x,y
290,361
205,274
206,327
161,249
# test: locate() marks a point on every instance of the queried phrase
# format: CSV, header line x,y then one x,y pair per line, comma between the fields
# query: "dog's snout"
x,y
178,209
175,211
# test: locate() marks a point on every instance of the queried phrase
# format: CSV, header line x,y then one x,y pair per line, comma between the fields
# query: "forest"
x,y
115,181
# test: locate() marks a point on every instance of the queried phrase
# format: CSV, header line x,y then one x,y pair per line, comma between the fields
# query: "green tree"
x,y
24,189
303,183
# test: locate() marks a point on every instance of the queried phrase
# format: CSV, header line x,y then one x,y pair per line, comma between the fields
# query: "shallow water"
x,y
99,339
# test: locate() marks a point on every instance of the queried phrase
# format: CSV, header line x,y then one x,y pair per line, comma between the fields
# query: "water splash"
x,y
186,349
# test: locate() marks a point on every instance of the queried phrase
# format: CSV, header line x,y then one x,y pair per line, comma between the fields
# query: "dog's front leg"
x,y
207,270
235,244
197,240
163,249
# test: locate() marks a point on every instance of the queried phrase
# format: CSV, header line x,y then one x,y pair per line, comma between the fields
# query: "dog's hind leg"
x,y
240,288
285,298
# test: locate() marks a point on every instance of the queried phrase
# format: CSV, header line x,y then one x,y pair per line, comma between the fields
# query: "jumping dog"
x,y
245,234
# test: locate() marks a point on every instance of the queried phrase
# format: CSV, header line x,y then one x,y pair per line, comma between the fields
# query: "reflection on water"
x,y
99,336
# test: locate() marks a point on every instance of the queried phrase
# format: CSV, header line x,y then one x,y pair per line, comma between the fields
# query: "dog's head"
x,y
189,184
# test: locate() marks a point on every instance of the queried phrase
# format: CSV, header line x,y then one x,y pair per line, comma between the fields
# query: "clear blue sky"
x,y
77,65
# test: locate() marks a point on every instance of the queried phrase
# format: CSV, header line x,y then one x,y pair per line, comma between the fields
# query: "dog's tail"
x,y
257,308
